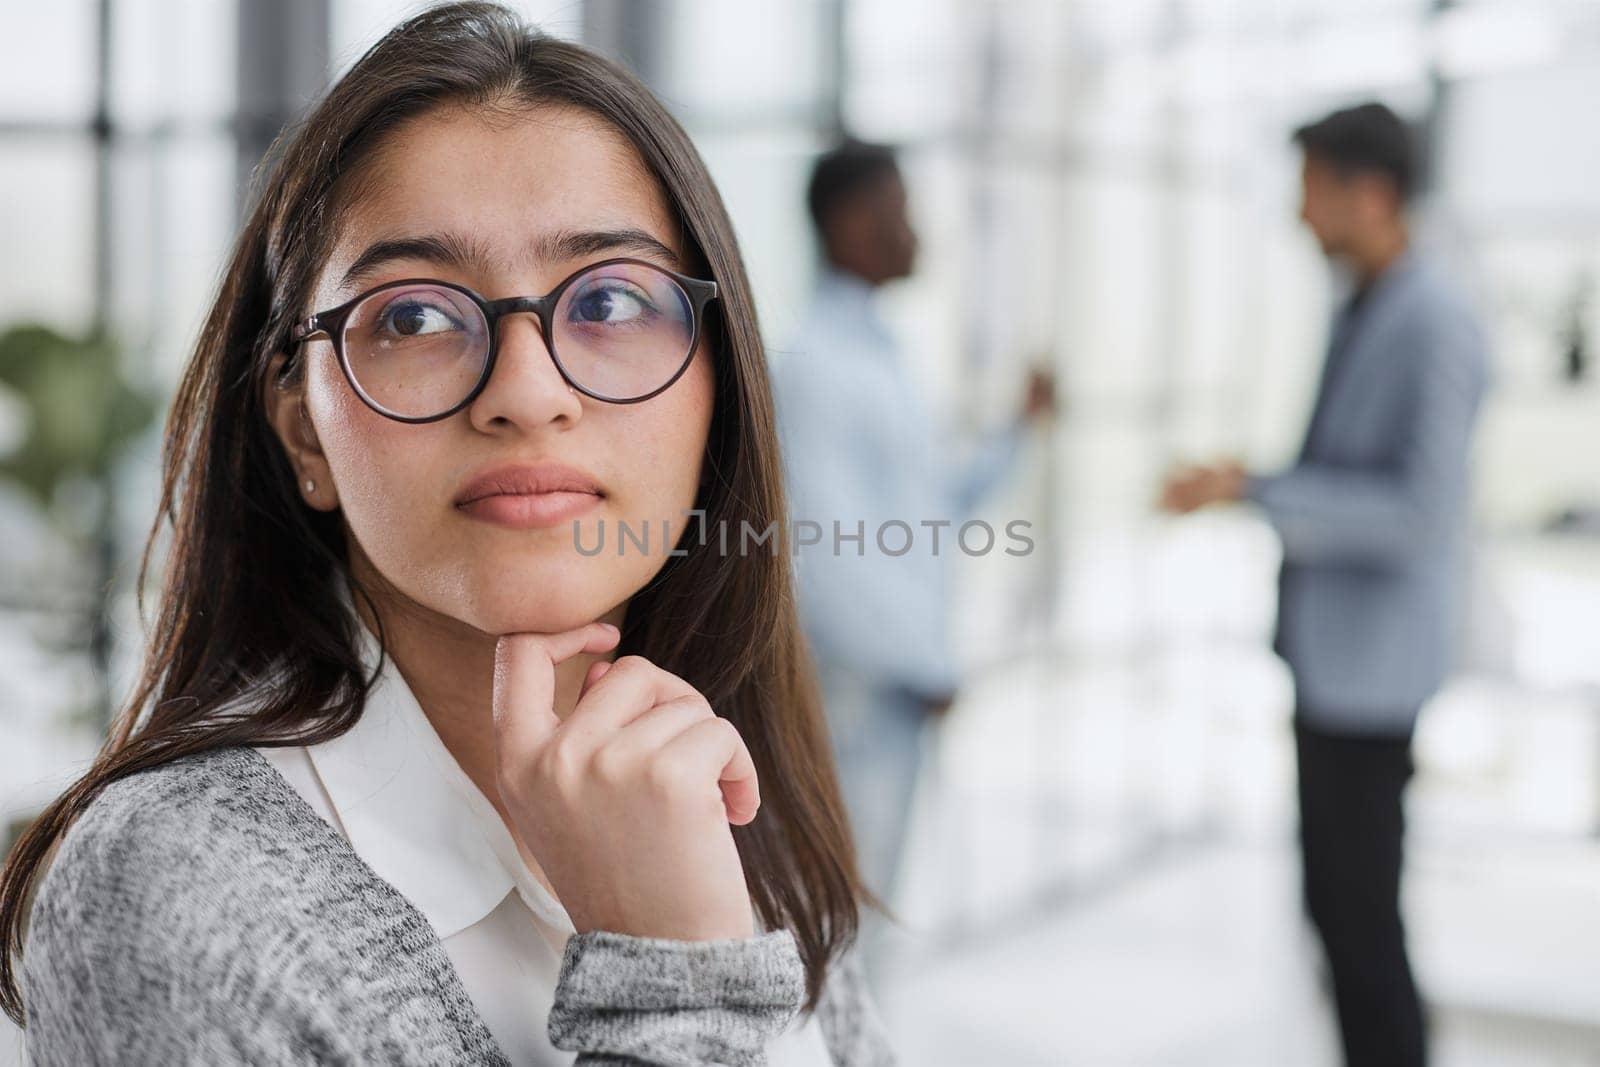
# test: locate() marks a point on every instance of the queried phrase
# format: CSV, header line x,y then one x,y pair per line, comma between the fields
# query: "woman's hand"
x,y
625,803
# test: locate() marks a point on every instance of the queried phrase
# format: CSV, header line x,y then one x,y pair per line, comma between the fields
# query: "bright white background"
x,y
1102,868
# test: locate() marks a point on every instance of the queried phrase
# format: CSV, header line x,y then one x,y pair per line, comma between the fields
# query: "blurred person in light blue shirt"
x,y
874,483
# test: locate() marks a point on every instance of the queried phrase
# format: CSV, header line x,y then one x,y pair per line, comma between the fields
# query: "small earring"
x,y
311,486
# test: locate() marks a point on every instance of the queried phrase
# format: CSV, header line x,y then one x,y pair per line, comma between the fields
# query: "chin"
x,y
542,596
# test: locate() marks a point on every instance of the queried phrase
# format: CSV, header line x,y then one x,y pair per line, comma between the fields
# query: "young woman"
x,y
415,773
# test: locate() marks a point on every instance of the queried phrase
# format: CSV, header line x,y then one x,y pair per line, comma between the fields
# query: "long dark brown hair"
x,y
249,588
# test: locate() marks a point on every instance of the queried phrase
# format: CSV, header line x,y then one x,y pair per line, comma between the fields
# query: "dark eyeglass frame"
x,y
330,324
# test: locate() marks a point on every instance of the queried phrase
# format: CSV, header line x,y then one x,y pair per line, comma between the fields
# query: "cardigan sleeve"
x,y
625,1000
622,999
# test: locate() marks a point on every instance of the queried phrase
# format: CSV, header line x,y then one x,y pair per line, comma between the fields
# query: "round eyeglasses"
x,y
418,350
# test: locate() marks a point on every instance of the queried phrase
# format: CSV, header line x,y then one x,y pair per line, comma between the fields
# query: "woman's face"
x,y
510,192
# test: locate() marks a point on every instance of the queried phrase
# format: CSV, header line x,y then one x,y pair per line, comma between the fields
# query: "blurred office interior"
x,y
1101,868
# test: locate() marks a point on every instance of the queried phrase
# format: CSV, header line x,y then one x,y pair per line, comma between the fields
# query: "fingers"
x,y
1183,489
630,687
596,669
632,718
656,727
713,746
525,683
681,734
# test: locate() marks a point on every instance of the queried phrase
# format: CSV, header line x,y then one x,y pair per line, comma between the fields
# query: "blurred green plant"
x,y
81,409
80,412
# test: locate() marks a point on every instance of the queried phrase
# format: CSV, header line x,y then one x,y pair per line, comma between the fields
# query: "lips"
x,y
522,479
527,496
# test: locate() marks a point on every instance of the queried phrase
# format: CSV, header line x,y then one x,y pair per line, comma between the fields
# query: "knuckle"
x,y
717,726
698,707
560,761
610,765
666,777
631,664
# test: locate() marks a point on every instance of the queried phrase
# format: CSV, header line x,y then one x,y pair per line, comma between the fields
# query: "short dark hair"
x,y
1368,137
843,171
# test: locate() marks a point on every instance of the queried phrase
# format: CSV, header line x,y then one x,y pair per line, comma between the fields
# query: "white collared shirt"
x,y
393,789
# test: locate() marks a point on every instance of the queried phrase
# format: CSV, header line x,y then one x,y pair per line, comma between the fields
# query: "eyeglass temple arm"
x,y
305,330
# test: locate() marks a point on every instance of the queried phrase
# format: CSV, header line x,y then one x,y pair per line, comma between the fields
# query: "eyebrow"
x,y
469,254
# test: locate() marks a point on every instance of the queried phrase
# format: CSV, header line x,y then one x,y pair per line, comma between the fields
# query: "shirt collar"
x,y
414,815
1393,276
843,286
845,300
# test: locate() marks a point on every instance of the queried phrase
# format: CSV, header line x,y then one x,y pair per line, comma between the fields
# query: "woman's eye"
x,y
612,305
411,318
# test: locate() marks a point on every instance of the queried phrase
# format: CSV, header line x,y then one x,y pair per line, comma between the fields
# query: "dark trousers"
x,y
1351,830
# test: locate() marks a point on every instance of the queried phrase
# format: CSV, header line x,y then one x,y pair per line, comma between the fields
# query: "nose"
x,y
525,387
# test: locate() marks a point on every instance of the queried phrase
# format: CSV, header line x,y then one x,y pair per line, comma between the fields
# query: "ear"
x,y
1378,195
287,414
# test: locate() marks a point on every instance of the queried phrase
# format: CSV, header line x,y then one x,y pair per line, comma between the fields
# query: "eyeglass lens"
x,y
620,330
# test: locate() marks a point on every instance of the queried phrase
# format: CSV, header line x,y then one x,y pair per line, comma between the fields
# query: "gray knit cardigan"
x,y
202,912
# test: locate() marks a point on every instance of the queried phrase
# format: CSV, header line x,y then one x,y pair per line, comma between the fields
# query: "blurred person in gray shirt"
x,y
1374,518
